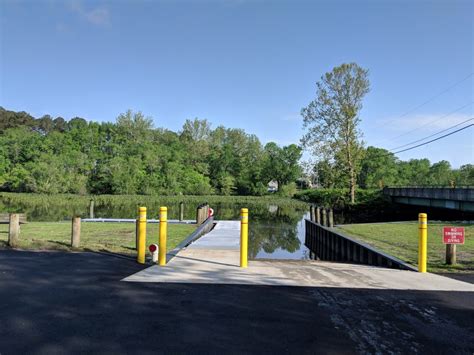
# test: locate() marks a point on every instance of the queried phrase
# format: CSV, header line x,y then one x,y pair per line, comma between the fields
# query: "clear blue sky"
x,y
251,64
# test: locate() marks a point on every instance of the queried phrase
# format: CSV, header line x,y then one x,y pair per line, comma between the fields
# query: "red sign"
x,y
453,235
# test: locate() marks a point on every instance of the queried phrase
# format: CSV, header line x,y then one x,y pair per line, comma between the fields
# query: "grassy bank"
x,y
111,237
400,239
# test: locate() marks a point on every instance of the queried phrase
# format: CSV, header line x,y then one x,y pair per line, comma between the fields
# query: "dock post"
x,y
91,208
181,211
199,214
318,215
422,241
331,218
14,230
141,235
450,254
324,224
311,213
206,212
244,236
163,236
76,232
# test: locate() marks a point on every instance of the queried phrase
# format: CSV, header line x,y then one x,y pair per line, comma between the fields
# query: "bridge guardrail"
x,y
446,193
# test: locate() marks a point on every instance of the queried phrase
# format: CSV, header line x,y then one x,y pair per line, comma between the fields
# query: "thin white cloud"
x,y
99,15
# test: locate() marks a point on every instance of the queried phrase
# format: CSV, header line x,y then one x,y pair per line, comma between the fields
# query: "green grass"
x,y
400,239
111,237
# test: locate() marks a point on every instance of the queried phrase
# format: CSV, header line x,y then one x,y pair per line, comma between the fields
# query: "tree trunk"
x,y
352,186
351,173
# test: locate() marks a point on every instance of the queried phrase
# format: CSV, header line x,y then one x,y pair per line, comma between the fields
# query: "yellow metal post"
x,y
422,241
163,236
244,236
141,235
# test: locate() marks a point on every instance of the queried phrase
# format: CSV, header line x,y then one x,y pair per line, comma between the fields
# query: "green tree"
x,y
328,174
331,120
282,164
378,168
441,174
465,175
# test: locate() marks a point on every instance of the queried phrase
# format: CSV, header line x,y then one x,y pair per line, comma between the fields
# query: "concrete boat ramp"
x,y
214,259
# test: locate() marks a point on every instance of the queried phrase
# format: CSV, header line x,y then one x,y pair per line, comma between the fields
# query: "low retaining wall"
x,y
329,245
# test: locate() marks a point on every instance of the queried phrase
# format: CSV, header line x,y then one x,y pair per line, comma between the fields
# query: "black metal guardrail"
x,y
329,245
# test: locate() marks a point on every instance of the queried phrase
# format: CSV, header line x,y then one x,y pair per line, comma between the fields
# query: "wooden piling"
x,y
198,215
318,215
450,254
91,208
311,213
76,232
181,211
14,230
331,218
201,214
324,217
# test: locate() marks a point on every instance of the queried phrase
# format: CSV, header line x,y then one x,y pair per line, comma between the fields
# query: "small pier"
x,y
214,259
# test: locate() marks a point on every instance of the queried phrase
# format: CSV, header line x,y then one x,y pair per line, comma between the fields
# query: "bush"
x,y
288,190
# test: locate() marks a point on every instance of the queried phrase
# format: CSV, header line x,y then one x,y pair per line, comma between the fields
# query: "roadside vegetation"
x,y
400,239
106,237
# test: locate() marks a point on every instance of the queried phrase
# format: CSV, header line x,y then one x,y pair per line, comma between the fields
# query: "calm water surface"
x,y
275,231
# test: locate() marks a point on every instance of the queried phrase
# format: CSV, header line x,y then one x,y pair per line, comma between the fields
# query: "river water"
x,y
276,231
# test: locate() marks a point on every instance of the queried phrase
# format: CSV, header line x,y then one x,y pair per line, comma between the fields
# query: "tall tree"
x,y
331,120
281,164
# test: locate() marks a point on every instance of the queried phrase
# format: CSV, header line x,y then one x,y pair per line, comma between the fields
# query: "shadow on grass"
x,y
68,245
128,248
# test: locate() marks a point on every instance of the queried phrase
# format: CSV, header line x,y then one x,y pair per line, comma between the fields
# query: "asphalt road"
x,y
67,303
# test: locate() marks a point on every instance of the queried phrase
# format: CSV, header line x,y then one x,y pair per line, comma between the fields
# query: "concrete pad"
x,y
222,267
214,259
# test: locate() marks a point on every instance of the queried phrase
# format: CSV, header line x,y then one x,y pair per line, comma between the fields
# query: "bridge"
x,y
458,198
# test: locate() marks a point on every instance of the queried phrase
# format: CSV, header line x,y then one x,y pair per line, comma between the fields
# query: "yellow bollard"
x,y
141,235
163,235
422,241
244,236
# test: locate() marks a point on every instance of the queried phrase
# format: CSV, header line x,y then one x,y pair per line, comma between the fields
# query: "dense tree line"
x,y
47,155
381,168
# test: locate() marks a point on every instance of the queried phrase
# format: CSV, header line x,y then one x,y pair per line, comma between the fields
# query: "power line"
x,y
428,101
431,122
433,140
432,135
